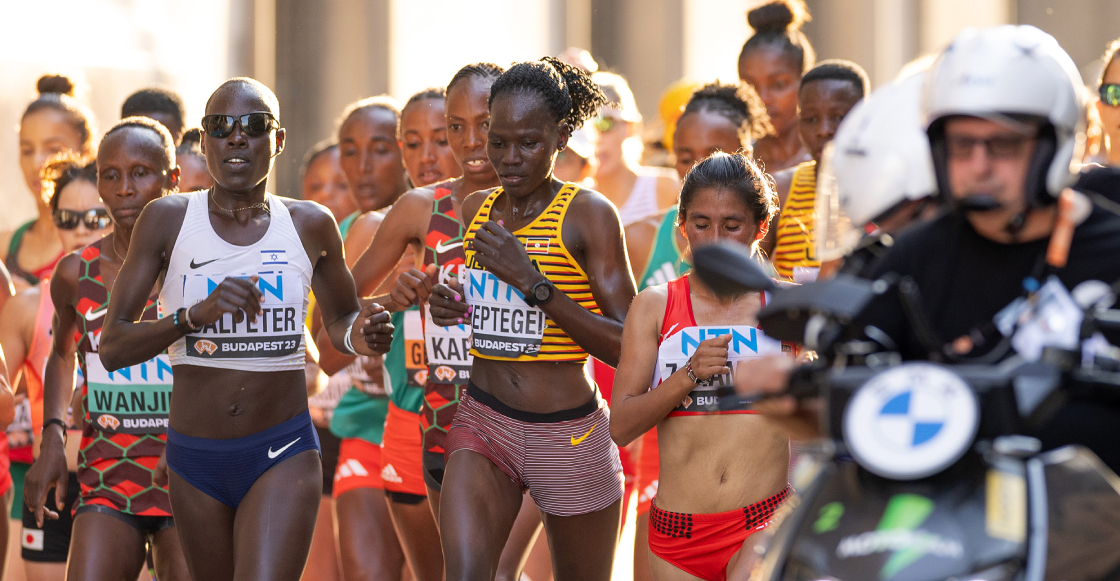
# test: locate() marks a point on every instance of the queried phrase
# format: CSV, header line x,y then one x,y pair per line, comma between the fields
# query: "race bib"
x,y
275,333
414,362
133,400
719,395
502,324
449,351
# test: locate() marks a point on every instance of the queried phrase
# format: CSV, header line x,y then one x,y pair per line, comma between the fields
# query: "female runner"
x,y
772,61
716,118
236,265
427,219
53,122
828,91
70,184
530,418
722,472
426,156
638,192
123,505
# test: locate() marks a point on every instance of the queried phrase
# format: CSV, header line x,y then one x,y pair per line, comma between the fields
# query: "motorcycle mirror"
x,y
787,316
728,268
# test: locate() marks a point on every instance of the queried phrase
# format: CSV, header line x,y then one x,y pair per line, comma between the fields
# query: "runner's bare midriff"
x,y
228,403
537,387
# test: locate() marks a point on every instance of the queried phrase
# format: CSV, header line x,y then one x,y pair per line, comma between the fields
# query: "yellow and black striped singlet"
x,y
794,246
545,246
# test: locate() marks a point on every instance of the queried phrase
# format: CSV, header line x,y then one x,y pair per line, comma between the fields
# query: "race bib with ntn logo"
x,y
503,325
133,400
717,395
277,332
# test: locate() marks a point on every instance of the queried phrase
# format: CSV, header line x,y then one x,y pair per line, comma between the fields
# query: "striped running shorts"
x,y
565,459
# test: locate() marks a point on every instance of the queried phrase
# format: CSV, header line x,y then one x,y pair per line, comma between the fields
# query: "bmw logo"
x,y
911,421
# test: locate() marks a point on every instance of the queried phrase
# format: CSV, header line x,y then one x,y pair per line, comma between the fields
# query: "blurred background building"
x,y
319,55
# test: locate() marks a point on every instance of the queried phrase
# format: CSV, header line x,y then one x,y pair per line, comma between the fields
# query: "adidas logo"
x,y
661,275
350,468
389,474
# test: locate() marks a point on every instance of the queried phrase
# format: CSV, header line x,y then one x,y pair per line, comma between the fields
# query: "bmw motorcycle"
x,y
924,473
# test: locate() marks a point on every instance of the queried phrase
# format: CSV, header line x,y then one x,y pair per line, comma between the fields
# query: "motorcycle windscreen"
x,y
861,527
1083,497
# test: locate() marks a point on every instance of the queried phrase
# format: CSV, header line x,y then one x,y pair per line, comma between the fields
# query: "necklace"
x,y
116,255
233,212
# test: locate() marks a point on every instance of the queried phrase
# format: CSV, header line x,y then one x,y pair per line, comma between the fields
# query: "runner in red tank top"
x,y
723,471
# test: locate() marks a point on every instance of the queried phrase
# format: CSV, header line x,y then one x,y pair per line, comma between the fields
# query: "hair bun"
x,y
57,84
778,16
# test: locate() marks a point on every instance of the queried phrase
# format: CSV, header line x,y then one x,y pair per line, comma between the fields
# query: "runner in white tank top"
x,y
236,265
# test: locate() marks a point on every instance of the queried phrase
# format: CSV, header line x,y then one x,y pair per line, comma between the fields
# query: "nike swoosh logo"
x,y
201,264
577,441
92,316
440,248
272,454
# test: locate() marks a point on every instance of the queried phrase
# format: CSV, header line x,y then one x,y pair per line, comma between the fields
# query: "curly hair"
x,y
570,94
732,172
61,170
167,144
739,104
475,70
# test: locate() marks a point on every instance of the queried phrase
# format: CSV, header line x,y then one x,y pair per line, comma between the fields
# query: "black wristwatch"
x,y
540,294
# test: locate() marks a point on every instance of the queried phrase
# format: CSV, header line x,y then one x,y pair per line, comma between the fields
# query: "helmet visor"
x,y
833,231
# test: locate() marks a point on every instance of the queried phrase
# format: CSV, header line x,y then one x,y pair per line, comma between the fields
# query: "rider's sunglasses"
x,y
252,124
1110,94
92,219
997,147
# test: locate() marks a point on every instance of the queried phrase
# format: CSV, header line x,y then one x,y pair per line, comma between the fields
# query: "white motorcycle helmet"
x,y
1005,73
879,159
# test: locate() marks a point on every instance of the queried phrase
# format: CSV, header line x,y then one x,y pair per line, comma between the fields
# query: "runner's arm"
x,y
17,318
334,289
7,396
402,226
125,339
58,383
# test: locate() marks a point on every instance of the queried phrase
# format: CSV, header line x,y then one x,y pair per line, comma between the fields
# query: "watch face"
x,y
542,292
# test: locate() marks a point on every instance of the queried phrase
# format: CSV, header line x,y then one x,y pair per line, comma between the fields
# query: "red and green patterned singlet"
x,y
447,348
125,410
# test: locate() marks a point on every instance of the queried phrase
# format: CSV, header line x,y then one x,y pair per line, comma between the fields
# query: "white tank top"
x,y
642,202
201,260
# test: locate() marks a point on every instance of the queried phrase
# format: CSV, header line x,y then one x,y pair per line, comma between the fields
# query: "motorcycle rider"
x,y
1012,91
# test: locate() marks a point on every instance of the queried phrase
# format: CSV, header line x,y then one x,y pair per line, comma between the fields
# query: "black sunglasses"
x,y
253,124
1110,94
92,219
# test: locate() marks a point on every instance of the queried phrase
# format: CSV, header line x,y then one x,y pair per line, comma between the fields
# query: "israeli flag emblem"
x,y
270,257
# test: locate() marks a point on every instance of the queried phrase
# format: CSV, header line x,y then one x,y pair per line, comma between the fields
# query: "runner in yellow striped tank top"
x,y
828,91
547,283
795,225
545,248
